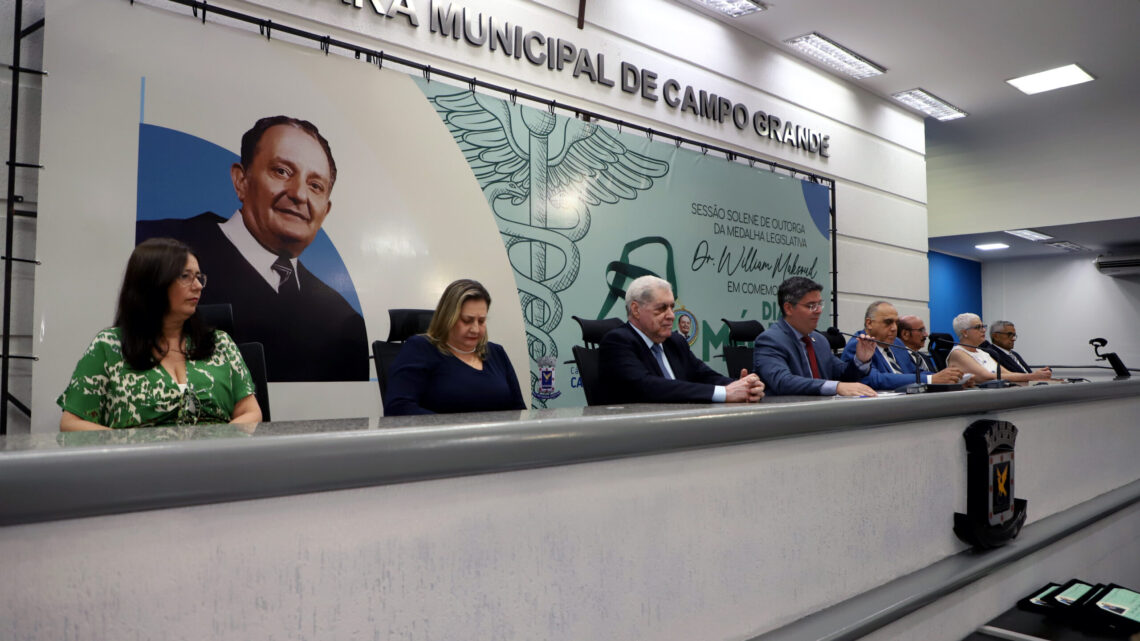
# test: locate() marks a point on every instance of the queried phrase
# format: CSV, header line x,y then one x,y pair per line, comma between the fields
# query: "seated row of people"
x,y
975,355
644,361
160,365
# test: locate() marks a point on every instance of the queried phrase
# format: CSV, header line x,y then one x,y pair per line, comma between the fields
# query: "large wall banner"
x,y
157,125
583,210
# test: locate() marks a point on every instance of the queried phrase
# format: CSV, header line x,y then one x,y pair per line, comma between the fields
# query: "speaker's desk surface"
x,y
150,468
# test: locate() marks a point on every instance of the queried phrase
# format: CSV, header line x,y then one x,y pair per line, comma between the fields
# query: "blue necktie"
x,y
659,354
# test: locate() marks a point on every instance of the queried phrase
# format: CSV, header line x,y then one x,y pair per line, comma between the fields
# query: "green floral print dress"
x,y
104,389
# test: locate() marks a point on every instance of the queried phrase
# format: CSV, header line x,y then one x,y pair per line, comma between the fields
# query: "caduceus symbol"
x,y
541,174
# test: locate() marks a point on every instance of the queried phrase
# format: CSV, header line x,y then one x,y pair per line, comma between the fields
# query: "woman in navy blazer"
x,y
453,367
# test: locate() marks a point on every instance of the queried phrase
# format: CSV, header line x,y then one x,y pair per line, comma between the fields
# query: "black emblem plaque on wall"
x,y
993,515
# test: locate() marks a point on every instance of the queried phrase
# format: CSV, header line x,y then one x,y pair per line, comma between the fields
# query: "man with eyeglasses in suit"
x,y
1002,336
913,334
792,358
893,367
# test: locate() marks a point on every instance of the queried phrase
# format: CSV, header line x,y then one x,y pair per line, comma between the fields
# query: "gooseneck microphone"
x,y
1114,360
918,372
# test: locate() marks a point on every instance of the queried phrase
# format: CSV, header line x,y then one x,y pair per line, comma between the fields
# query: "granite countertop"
x,y
58,476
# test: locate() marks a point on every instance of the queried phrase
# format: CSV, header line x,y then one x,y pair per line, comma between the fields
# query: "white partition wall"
x,y
1040,296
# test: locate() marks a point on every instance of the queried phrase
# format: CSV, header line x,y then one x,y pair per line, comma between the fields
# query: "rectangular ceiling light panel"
x,y
1051,79
1067,246
733,8
835,56
991,246
1028,234
929,104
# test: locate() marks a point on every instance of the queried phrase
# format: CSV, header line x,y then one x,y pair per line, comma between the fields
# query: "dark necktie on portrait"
x,y
287,285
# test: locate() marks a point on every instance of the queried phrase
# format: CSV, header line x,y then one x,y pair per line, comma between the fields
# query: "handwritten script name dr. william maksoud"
x,y
749,261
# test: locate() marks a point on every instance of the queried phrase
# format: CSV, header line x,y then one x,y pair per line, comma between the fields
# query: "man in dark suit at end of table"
x,y
1002,336
645,361
284,182
792,358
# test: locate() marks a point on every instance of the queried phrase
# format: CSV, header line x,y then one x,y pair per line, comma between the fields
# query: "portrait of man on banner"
x,y
283,182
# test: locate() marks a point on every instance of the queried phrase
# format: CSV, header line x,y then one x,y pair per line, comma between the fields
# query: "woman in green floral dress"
x,y
159,364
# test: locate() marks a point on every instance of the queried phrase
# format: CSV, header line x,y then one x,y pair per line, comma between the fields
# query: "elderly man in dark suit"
x,y
284,182
1003,334
792,358
645,361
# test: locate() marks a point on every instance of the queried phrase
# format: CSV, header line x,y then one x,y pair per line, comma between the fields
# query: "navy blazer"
x,y
927,358
882,377
424,380
630,373
906,359
1013,364
778,358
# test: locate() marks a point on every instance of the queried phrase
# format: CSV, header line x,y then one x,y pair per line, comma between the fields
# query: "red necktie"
x,y
811,357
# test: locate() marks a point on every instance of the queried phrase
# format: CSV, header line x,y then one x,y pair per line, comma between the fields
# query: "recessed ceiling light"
x,y
991,246
1068,246
1028,234
1051,79
733,8
929,104
835,56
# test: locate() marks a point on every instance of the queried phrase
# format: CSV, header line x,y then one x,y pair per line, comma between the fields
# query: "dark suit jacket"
x,y
316,338
778,359
930,364
630,373
1013,364
906,358
882,377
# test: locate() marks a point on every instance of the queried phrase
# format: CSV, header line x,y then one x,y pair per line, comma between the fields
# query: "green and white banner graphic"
x,y
583,210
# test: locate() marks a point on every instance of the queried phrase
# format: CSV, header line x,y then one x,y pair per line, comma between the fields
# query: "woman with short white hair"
x,y
971,332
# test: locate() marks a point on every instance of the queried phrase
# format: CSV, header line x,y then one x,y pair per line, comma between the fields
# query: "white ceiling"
x,y
964,50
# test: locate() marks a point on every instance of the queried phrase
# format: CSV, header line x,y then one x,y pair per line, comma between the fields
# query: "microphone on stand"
x,y
918,387
997,383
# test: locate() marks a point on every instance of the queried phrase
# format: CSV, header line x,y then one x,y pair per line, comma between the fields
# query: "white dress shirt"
x,y
260,258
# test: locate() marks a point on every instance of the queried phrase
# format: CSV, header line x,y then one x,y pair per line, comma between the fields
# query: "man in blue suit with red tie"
x,y
792,358
645,361
893,367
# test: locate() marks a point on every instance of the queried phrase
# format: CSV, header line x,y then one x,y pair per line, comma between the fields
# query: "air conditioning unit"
x,y
1119,264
